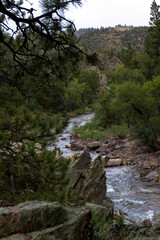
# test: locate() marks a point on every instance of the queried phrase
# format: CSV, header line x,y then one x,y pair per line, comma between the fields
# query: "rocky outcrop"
x,y
44,220
88,179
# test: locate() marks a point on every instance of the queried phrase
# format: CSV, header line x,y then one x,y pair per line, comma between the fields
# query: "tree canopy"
x,y
37,57
50,26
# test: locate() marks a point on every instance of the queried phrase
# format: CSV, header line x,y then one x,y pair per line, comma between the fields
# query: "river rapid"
x,y
138,200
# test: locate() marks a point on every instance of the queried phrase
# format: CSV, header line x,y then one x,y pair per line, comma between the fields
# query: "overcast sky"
x,y
97,13
105,13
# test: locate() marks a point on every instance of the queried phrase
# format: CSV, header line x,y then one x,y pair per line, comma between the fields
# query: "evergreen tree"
x,y
152,41
155,14
35,63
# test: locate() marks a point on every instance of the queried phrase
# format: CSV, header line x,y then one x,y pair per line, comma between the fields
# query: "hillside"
x,y
117,38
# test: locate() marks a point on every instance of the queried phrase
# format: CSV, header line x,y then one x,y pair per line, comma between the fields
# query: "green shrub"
x,y
102,227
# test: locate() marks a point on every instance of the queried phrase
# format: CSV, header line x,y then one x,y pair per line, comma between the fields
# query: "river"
x,y
139,200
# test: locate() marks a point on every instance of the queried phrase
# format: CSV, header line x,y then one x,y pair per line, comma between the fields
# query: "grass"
x,y
91,130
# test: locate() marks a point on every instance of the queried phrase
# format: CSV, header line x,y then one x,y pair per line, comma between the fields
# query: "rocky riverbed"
x,y
132,169
133,175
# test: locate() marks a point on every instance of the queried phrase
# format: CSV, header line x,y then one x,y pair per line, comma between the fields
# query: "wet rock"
x,y
67,146
114,162
147,223
94,145
43,220
63,138
77,146
151,176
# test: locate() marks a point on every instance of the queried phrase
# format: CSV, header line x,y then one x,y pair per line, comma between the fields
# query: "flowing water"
x,y
64,138
139,200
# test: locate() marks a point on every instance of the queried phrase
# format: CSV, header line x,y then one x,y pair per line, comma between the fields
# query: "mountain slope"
x,y
108,39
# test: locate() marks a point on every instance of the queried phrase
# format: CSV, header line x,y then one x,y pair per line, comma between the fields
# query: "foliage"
x,y
50,27
155,14
75,92
102,227
128,107
91,79
119,220
75,199
152,45
132,101
133,104
121,74
95,131
36,61
156,221
82,90
128,57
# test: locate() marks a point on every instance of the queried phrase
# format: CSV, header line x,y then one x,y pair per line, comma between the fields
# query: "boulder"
x,y
94,145
77,146
88,179
67,146
114,162
102,149
63,138
44,220
147,223
151,176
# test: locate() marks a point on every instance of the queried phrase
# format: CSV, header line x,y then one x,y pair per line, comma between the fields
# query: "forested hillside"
x,y
131,102
112,38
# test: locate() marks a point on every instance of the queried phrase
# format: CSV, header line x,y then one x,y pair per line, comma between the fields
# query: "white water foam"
x,y
110,188
136,202
150,214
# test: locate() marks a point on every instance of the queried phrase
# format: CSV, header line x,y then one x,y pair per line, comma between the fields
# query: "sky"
x,y
105,13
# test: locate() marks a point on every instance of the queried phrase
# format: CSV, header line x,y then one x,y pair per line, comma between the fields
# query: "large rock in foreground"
x,y
88,179
43,220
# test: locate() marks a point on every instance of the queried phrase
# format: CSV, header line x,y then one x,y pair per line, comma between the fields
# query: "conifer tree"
x,y
155,14
152,41
36,59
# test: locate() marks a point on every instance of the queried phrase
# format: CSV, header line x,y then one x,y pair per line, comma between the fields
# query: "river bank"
x,y
132,170
118,151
